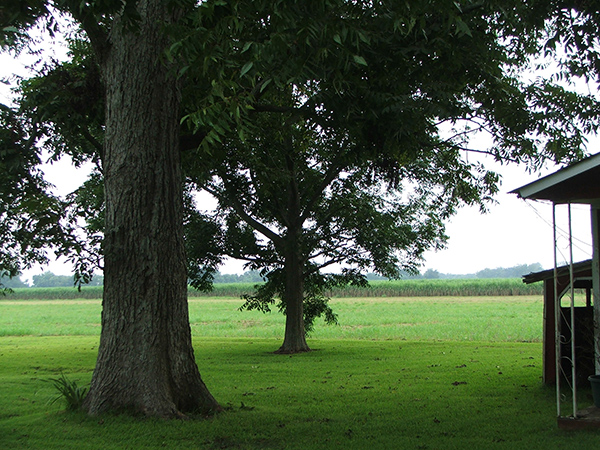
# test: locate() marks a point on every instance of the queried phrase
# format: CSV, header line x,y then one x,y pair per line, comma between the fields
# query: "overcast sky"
x,y
513,232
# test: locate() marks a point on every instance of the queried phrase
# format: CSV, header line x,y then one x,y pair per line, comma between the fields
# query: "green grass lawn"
x,y
368,384
516,318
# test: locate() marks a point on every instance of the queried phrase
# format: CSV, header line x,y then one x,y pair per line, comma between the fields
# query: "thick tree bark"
x,y
295,335
145,361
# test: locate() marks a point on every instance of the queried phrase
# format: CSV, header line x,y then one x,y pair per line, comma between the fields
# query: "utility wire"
x,y
563,233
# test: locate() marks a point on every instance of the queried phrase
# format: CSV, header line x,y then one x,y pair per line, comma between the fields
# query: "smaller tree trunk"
x,y
295,334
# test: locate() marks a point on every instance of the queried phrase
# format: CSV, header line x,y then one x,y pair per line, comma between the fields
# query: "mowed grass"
x,y
516,318
347,394
396,374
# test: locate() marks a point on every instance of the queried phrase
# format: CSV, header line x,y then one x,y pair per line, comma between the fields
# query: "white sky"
x,y
513,232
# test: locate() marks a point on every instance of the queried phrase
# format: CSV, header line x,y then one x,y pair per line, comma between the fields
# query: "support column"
x,y
549,352
595,211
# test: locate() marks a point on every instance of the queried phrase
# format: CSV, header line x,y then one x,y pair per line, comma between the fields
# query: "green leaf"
x,y
462,28
246,68
182,71
175,47
363,38
246,47
337,39
360,60
265,84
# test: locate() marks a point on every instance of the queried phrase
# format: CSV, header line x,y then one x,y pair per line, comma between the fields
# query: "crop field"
x,y
397,372
396,288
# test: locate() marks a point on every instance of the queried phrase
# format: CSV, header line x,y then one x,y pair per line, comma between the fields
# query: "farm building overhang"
x,y
562,271
577,183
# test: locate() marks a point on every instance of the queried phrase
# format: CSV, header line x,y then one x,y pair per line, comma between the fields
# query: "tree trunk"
x,y
145,361
295,335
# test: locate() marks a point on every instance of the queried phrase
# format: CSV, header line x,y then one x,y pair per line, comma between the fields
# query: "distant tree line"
x,y
251,276
49,279
13,283
499,272
511,272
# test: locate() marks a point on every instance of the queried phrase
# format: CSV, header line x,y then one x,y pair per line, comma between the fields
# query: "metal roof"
x,y
577,183
578,267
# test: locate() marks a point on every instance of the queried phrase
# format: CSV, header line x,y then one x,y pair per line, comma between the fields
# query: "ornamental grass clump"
x,y
70,391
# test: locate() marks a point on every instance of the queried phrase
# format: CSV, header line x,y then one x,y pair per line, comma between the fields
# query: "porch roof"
x,y
577,183
578,267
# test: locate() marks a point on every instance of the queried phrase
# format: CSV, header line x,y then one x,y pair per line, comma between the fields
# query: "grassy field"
x,y
397,373
514,319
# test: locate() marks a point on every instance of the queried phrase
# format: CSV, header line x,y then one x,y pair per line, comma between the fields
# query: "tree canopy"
x,y
336,52
32,221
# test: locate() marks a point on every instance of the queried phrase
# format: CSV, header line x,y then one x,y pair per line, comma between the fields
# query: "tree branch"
x,y
333,171
233,201
92,140
97,35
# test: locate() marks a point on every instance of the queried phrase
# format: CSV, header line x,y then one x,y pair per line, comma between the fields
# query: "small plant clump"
x,y
70,391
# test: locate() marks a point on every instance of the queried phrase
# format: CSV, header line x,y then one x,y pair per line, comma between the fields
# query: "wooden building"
x,y
571,333
582,276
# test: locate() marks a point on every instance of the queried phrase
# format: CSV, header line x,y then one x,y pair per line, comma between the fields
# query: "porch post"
x,y
595,210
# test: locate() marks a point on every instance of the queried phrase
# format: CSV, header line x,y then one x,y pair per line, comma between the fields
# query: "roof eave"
x,y
533,189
